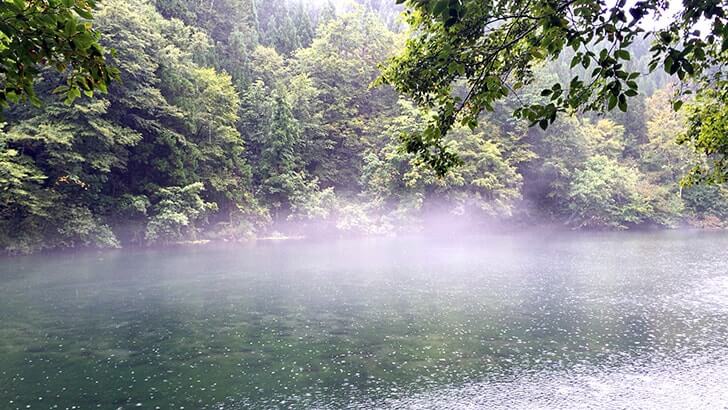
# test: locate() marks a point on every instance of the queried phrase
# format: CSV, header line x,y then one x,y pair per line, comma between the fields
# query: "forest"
x,y
238,119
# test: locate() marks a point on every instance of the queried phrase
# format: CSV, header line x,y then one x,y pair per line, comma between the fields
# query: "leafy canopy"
x,y
466,55
53,33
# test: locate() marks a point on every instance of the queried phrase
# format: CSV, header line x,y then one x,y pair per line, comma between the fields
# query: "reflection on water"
x,y
697,383
529,321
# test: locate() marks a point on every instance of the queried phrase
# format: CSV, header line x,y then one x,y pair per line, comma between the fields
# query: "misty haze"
x,y
363,204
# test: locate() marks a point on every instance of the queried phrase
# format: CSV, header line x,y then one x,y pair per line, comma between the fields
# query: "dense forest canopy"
x,y
241,118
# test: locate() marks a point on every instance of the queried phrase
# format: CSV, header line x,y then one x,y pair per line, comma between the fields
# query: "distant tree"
x,y
177,214
605,194
215,131
707,133
560,150
275,146
301,16
169,124
388,11
341,63
232,28
401,184
328,12
662,158
276,26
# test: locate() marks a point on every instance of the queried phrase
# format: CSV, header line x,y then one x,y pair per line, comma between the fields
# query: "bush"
x,y
605,194
178,214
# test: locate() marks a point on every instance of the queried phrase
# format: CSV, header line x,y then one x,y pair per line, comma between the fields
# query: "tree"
x,y
277,27
708,134
666,162
274,138
107,163
494,46
662,158
559,151
304,26
177,213
605,194
488,183
56,176
58,34
212,135
400,185
341,64
214,147
230,25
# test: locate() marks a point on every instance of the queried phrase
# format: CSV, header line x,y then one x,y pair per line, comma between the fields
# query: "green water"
x,y
517,321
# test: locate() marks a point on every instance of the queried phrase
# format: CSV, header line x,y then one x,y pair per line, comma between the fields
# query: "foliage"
x,y
494,46
238,118
313,204
662,158
401,187
604,194
276,144
708,134
708,202
177,213
57,34
341,64
60,162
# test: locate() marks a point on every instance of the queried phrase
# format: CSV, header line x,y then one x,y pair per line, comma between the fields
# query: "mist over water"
x,y
529,320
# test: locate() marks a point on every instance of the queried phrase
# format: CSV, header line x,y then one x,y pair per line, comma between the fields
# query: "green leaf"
x,y
585,61
574,61
70,28
60,89
83,13
454,68
83,41
35,101
612,102
622,103
440,8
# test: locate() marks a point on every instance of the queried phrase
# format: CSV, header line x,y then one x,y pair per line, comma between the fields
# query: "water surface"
x,y
626,320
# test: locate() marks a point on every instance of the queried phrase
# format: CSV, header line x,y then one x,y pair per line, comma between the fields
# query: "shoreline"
x,y
495,230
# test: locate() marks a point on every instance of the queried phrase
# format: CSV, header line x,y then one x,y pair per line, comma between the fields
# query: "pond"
x,y
540,320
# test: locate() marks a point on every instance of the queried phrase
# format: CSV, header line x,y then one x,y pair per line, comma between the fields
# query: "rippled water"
x,y
522,321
